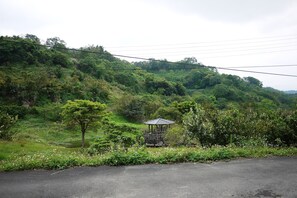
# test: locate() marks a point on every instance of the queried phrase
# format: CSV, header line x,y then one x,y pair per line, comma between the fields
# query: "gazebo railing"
x,y
155,137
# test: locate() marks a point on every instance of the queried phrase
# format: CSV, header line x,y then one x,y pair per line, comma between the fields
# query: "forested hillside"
x,y
37,79
33,75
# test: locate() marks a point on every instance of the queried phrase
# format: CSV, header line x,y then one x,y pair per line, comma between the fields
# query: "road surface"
x,y
269,177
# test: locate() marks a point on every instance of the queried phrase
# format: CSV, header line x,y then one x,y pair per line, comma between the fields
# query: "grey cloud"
x,y
235,11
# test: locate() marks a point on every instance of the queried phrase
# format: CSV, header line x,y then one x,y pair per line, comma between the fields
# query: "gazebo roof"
x,y
159,121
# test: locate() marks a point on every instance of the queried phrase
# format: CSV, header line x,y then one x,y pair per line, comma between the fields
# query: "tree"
x,y
253,81
33,38
83,113
132,108
56,43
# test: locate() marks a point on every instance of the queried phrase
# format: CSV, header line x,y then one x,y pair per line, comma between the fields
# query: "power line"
x,y
210,48
225,55
257,72
149,59
256,39
262,66
226,50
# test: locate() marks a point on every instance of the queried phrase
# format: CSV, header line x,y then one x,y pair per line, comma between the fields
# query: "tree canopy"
x,y
83,113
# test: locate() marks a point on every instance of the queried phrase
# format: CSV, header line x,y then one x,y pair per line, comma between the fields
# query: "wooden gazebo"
x,y
156,129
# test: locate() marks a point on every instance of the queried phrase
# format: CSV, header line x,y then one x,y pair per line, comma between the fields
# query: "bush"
x,y
199,127
116,137
14,110
61,59
176,136
101,145
132,157
170,113
132,108
6,121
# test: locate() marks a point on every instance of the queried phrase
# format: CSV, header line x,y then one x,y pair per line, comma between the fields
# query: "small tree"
x,y
83,113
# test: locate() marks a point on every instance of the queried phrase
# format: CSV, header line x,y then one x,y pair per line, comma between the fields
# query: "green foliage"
x,y
170,113
18,50
60,59
185,107
51,112
253,81
202,78
14,110
177,136
163,87
123,135
36,79
116,137
230,127
83,113
131,107
198,126
6,121
37,156
55,43
101,145
224,91
132,157
52,158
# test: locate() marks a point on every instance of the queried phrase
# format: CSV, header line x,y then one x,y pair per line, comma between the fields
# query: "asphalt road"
x,y
270,177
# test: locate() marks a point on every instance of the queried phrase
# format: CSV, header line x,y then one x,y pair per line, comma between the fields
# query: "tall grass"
x,y
55,158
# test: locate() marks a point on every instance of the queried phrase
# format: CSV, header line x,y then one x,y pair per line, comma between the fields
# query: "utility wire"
x,y
262,66
209,48
257,72
222,50
150,59
253,40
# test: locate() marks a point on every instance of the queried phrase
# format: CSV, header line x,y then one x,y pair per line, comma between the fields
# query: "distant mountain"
x,y
291,92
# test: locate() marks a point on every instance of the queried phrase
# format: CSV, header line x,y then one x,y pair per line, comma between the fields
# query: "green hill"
x,y
36,80
34,75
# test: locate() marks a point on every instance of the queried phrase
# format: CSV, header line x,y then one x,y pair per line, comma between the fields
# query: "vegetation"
x,y
57,158
83,113
50,94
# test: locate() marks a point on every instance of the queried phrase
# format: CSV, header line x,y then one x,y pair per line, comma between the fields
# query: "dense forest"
x,y
38,79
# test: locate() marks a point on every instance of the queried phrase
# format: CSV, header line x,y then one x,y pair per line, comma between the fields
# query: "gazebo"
x,y
156,129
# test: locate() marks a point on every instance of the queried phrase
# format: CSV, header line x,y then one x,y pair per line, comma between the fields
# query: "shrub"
x,y
14,110
6,121
101,145
176,136
198,126
132,108
132,157
116,137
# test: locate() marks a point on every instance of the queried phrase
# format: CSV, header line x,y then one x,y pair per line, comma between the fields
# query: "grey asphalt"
x,y
268,177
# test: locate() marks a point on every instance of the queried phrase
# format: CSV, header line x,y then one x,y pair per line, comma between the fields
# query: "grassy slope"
x,y
37,134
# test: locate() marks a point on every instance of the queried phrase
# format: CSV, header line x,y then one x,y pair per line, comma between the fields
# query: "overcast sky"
x,y
224,33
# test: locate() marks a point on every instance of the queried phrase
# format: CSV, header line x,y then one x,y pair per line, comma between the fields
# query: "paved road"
x,y
270,177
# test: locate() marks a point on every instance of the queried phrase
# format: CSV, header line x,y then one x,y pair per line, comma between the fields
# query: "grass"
x,y
121,120
9,149
38,130
59,158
